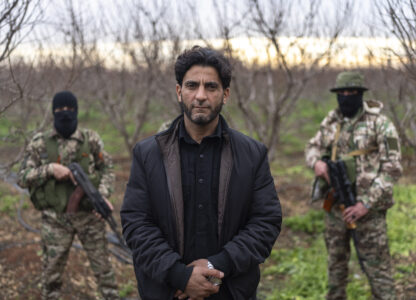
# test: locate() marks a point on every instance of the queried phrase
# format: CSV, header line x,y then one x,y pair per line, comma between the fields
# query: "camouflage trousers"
x,y
58,232
371,233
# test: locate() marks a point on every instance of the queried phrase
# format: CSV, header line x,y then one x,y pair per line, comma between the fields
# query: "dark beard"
x,y
201,120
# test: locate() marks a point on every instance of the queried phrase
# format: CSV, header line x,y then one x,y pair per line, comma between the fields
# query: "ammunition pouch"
x,y
350,165
55,194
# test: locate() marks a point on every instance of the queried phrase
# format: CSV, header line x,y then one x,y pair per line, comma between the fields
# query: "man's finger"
x,y
213,272
182,296
348,211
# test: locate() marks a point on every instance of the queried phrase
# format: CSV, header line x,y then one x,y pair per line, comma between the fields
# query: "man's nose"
x,y
201,93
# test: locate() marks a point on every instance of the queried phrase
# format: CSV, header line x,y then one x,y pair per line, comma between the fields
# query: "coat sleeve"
x,y
152,254
254,242
314,150
390,169
319,145
33,172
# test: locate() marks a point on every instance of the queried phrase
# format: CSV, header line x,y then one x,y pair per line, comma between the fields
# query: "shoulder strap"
x,y
362,151
334,148
83,153
84,149
52,149
352,153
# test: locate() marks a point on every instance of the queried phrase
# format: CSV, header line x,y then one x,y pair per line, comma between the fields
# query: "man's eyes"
x,y
211,86
191,85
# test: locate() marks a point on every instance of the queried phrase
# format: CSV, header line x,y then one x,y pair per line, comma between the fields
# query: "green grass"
x,y
93,117
312,222
401,221
9,200
303,123
5,125
127,288
300,272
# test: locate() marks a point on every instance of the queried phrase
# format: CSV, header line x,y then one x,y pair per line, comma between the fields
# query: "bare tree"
x,y
399,17
298,39
268,93
17,17
135,76
32,83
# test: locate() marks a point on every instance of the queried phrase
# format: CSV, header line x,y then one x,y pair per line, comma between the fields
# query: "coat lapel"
x,y
225,175
171,159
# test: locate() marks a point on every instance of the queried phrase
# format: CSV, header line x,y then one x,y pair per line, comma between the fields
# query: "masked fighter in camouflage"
x,y
357,130
44,171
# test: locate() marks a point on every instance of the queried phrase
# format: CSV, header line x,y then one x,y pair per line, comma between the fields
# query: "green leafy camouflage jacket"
x,y
36,168
369,129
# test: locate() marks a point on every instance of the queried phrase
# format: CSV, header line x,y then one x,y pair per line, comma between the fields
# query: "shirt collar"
x,y
184,135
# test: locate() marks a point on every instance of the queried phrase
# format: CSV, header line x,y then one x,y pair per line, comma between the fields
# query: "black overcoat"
x,y
249,212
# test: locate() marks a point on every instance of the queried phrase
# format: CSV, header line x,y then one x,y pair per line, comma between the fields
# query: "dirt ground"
x,y
20,251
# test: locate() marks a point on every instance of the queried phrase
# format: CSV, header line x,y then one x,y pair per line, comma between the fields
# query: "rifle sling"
x,y
353,153
362,151
334,149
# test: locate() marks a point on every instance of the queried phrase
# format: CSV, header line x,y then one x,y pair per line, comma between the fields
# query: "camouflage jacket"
x,y
375,172
36,169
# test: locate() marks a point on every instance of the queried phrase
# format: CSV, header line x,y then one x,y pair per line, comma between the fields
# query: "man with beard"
x,y
200,212
367,141
44,171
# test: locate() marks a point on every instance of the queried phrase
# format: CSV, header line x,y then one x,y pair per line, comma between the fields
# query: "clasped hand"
x,y
198,286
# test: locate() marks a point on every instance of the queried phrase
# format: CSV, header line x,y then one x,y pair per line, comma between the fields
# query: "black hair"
x,y
203,57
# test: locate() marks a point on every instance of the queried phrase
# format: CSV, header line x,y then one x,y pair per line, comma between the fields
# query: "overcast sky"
x,y
362,21
108,16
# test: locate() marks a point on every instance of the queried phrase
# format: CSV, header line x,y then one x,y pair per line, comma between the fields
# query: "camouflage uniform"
x,y
375,174
164,126
58,228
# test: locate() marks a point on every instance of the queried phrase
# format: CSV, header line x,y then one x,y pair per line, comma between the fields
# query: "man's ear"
x,y
226,95
179,92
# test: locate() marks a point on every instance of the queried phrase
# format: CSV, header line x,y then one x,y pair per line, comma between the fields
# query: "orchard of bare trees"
x,y
118,59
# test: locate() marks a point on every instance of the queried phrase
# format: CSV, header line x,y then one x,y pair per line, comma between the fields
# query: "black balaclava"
x,y
65,121
349,105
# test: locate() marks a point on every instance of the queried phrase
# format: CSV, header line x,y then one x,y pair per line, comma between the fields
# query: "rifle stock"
x,y
74,200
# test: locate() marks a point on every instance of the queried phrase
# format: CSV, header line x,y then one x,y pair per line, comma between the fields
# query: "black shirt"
x,y
200,169
200,164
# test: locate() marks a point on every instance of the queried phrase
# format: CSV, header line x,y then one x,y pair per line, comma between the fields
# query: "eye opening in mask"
x,y
347,92
64,108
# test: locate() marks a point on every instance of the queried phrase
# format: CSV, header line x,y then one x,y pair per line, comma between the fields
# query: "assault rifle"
x,y
95,198
342,193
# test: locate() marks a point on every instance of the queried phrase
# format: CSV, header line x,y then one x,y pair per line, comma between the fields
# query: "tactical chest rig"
x,y
349,162
320,189
54,194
